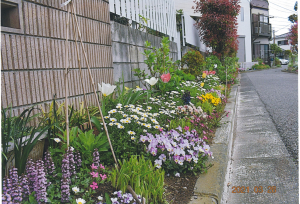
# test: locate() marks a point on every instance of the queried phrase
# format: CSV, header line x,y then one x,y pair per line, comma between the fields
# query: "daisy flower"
x,y
80,201
75,189
131,132
57,140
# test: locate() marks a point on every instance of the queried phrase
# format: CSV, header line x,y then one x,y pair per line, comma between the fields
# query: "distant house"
x,y
261,30
244,35
282,41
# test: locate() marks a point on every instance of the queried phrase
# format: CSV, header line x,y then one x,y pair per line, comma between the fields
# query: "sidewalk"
x,y
260,160
248,153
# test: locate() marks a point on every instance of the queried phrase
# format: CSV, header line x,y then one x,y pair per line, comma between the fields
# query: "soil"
x,y
178,190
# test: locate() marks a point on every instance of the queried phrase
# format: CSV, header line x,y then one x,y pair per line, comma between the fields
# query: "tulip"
x,y
203,75
106,89
165,77
152,81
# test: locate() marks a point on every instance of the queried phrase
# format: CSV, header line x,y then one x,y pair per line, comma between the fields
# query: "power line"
x,y
282,28
281,6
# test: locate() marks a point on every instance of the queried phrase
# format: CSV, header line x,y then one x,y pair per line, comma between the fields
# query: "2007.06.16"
x,y
257,189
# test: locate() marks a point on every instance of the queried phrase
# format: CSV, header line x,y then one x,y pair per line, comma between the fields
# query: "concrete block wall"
x,y
33,58
128,44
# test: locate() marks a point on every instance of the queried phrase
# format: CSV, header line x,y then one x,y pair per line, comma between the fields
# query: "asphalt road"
x,y
279,92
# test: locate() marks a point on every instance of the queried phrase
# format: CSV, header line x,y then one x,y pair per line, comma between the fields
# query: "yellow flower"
x,y
203,75
126,88
202,84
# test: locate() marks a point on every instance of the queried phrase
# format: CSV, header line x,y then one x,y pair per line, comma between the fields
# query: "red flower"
x,y
165,77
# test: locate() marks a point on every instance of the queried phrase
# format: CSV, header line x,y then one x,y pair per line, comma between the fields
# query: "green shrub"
x,y
195,62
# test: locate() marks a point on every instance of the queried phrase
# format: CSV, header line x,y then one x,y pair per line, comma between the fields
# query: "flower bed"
x,y
165,128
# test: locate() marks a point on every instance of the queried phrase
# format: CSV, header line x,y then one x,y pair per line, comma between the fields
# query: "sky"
x,y
281,10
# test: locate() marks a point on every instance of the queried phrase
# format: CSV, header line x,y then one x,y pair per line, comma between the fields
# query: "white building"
x,y
282,41
244,35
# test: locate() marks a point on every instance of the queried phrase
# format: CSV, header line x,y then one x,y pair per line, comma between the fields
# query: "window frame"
x,y
20,10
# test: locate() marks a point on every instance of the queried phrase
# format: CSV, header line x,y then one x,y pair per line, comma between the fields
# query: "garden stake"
x,y
134,194
66,78
93,85
79,66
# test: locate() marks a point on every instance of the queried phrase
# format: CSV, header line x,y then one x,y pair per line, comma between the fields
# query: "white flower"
x,y
106,89
131,132
110,124
80,201
100,198
177,174
57,140
132,137
113,119
144,130
72,148
121,127
215,65
114,200
152,81
75,189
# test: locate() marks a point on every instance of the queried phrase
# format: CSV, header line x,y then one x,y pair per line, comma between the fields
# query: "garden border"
x,y
210,186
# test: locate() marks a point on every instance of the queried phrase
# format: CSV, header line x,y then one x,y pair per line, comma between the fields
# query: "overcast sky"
x,y
281,10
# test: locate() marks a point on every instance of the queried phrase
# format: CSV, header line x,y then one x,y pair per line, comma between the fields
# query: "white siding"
x,y
244,29
161,13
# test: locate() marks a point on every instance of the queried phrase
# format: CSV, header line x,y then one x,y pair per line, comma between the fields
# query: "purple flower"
x,y
96,157
153,151
162,157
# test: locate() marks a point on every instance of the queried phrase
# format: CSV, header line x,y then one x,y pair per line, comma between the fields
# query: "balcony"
x,y
261,26
261,29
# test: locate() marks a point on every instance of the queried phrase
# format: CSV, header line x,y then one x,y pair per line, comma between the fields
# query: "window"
x,y
11,13
242,13
283,42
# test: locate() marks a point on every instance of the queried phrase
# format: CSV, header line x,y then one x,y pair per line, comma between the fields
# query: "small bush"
x,y
195,62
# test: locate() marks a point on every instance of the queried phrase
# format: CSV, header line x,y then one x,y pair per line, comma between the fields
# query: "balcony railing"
x,y
261,29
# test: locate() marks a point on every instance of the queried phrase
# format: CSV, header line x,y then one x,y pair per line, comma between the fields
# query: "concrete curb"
x,y
209,187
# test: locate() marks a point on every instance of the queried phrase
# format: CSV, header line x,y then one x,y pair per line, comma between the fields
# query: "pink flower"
x,y
186,128
160,129
94,185
93,166
103,176
94,174
205,137
165,77
204,132
101,166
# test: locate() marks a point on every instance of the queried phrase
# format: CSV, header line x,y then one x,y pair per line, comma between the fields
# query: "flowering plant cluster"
x,y
210,98
209,72
176,150
124,198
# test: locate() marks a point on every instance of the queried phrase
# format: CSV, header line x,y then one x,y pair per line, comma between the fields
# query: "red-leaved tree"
x,y
218,25
293,36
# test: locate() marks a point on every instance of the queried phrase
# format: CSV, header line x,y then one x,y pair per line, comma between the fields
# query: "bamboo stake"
x,y
93,86
66,77
81,77
134,194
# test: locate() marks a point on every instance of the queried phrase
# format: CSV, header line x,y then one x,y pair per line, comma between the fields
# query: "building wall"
x,y
284,47
244,30
33,59
186,6
128,46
